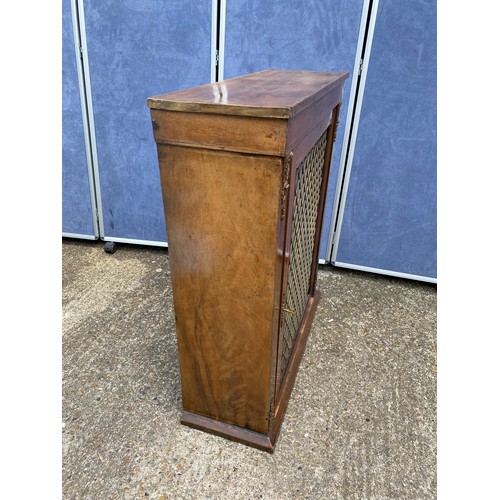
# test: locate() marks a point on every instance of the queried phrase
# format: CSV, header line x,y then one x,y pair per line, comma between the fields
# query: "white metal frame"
x,y
77,40
79,236
218,26
222,38
213,39
347,128
387,272
90,116
136,242
357,114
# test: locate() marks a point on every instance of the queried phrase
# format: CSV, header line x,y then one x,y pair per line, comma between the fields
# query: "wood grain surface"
x,y
270,93
222,215
226,133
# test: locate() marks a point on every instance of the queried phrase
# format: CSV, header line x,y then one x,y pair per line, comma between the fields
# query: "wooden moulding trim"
x,y
234,110
228,431
293,367
292,178
302,149
304,123
279,268
330,140
209,131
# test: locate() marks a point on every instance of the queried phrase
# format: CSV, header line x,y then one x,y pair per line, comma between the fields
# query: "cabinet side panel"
x,y
222,213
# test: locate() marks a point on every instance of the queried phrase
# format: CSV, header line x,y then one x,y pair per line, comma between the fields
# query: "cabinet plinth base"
x,y
228,431
264,442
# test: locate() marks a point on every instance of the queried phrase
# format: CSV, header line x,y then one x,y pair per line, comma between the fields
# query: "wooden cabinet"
x,y
244,168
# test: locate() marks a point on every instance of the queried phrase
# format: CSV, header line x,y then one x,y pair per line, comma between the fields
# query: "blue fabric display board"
x,y
136,49
389,221
77,211
293,34
140,48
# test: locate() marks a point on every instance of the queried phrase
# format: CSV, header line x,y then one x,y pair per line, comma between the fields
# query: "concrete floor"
x,y
360,424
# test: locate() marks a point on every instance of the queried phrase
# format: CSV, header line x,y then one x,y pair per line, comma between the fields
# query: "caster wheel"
x,y
110,247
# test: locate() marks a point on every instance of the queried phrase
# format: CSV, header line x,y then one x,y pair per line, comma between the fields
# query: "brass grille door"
x,y
304,223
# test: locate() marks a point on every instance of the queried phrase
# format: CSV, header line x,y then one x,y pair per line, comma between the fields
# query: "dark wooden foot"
x,y
232,432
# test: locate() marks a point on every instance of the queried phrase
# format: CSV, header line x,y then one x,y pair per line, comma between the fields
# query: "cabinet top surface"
x,y
270,93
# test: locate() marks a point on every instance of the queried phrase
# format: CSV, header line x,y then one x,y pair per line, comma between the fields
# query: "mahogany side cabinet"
x,y
244,167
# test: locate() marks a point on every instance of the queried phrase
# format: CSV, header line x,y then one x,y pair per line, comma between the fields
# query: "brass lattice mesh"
x,y
305,215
